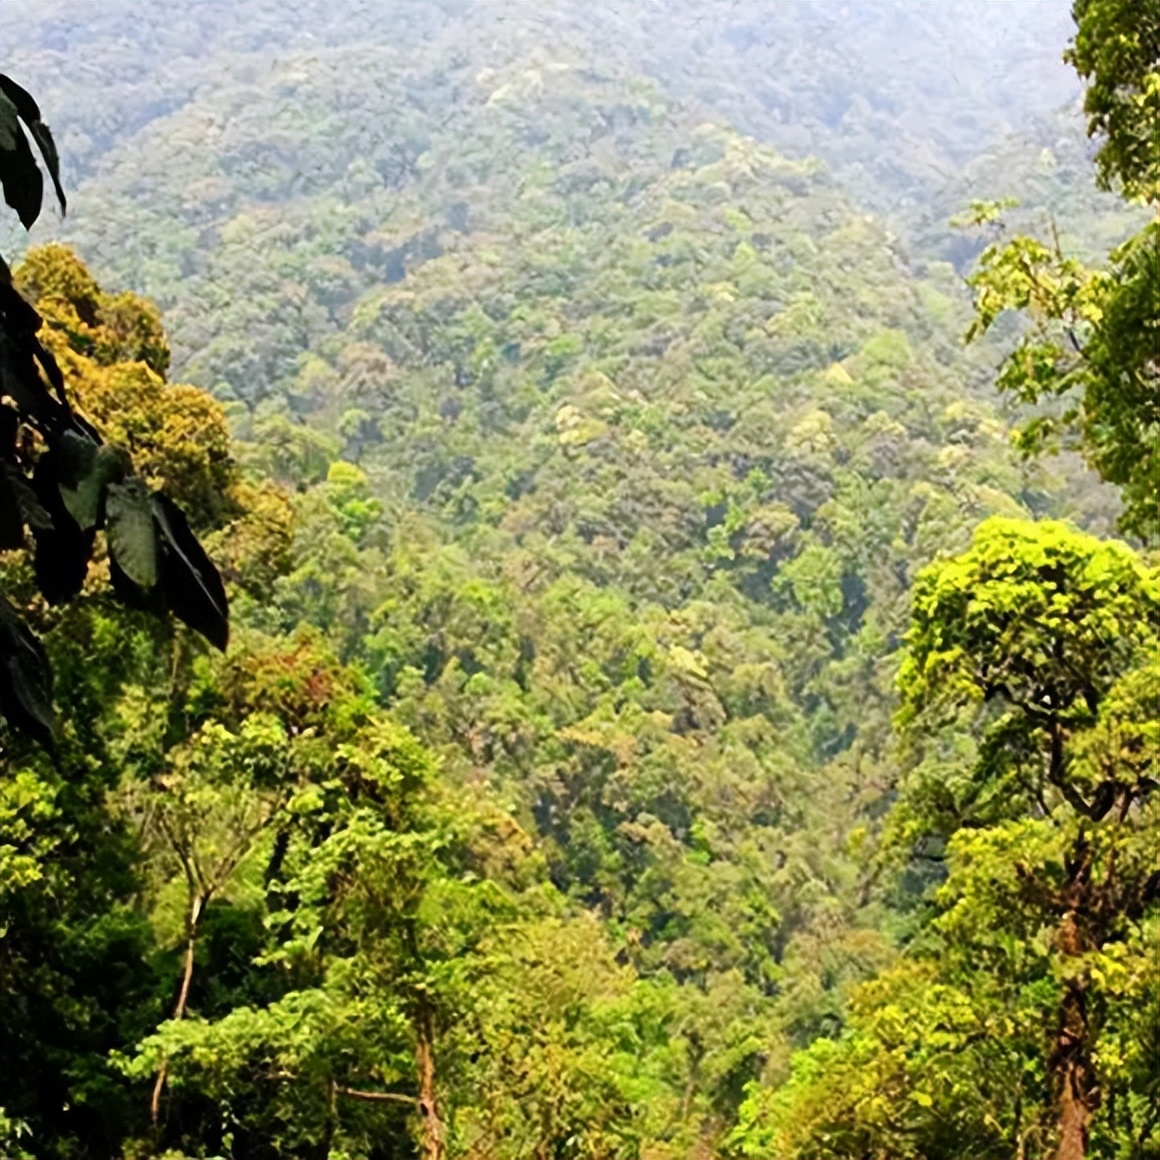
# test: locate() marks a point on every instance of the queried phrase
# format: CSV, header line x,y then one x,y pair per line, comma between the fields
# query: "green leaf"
x,y
25,678
19,173
9,126
131,532
193,589
29,113
86,470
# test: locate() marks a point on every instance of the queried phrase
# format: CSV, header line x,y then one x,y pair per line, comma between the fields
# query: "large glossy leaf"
x,y
9,126
193,589
131,532
85,470
25,678
145,600
63,549
19,173
29,113
76,454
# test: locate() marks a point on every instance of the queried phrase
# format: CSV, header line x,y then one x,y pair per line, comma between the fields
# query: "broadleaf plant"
x,y
61,482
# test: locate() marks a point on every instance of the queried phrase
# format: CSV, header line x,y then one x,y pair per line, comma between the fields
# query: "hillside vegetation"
x,y
632,740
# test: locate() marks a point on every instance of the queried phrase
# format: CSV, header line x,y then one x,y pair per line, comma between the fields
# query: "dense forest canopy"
x,y
680,700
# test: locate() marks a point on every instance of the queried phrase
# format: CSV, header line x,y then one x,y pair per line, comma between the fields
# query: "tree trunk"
x,y
1074,1117
433,1134
195,910
1075,1075
1070,1062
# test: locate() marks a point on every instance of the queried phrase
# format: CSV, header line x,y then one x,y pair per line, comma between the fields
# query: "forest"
x,y
580,581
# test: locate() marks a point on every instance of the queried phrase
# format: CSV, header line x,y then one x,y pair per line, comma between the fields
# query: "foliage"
x,y
1117,51
1092,342
1092,338
58,478
1040,623
1011,1027
575,451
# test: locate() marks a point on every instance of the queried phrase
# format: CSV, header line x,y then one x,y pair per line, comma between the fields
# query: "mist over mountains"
x,y
930,83
175,125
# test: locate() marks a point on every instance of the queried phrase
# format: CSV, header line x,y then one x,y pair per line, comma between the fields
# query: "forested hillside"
x,y
668,712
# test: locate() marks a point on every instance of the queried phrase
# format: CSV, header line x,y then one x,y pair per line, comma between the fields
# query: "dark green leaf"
x,y
23,358
131,532
29,113
29,509
193,589
130,594
20,380
77,455
85,470
25,678
63,550
19,173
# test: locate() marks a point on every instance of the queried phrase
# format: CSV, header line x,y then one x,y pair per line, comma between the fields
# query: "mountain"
x,y
607,362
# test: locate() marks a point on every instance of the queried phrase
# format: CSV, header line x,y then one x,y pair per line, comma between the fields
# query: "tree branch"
x,y
373,1097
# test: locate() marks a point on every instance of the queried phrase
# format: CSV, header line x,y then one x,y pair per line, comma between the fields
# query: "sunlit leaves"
x,y
1038,615
1116,50
928,1068
1093,336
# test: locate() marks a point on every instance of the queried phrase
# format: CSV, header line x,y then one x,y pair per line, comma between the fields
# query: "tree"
x,y
1116,50
1050,633
61,481
1018,1026
209,810
1092,342
366,940
1094,335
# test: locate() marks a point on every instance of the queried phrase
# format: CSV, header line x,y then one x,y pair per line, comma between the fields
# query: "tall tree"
x,y
1022,1023
1050,636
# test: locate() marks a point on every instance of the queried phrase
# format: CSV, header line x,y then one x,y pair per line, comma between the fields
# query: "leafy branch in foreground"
x,y
1093,341
1116,50
1094,335
62,483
